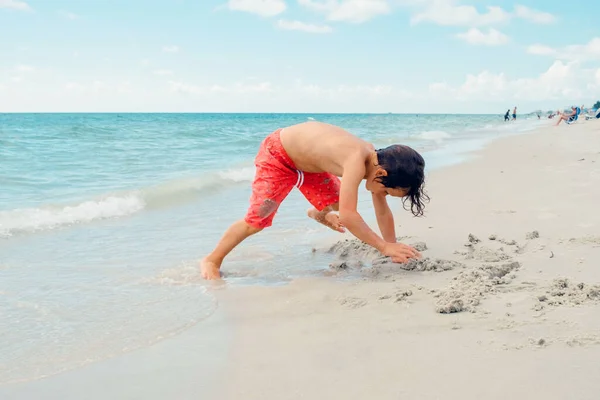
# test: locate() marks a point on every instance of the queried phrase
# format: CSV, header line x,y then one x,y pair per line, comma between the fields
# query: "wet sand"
x,y
186,367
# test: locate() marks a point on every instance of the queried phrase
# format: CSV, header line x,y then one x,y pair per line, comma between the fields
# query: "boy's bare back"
x,y
320,147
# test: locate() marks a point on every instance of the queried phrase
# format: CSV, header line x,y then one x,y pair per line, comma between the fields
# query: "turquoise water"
x,y
104,216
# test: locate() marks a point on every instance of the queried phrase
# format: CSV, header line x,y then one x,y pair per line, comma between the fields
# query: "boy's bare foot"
x,y
329,219
210,270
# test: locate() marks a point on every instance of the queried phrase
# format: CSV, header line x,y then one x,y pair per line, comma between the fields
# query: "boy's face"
x,y
376,187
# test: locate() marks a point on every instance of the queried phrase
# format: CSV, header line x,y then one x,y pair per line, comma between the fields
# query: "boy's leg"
x,y
323,192
270,187
210,266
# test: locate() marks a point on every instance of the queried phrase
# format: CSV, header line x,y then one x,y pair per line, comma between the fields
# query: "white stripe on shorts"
x,y
300,180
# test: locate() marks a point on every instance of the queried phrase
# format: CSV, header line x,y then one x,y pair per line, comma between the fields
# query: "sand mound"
x,y
586,240
564,292
354,249
354,254
473,239
423,264
400,295
346,265
486,254
469,287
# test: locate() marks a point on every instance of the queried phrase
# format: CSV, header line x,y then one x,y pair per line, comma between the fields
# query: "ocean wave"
x,y
38,219
238,175
118,205
436,136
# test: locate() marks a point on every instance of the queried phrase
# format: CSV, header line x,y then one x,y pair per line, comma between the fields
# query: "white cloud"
x,y
541,50
444,12
162,72
449,13
24,68
69,15
476,37
588,51
264,8
535,16
377,90
145,62
299,88
170,49
576,52
124,88
343,91
15,5
304,27
238,88
561,82
355,11
16,79
98,87
73,86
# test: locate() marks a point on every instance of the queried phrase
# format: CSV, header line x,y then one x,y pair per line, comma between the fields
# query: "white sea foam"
x,y
47,217
37,219
238,175
436,136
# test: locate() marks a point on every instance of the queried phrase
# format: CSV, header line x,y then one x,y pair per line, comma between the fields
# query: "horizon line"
x,y
255,112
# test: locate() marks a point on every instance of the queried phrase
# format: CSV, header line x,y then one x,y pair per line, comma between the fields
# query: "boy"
x,y
311,156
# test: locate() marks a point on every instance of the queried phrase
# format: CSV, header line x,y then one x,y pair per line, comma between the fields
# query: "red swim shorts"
x,y
275,177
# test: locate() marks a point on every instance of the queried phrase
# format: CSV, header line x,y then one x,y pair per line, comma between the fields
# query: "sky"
x,y
315,56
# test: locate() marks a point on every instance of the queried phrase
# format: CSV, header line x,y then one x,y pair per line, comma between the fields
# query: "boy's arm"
x,y
354,172
385,218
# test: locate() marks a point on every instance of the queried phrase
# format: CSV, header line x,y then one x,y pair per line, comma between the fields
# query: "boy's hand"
x,y
400,253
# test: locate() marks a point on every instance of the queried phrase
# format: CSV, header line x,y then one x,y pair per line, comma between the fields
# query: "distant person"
x,y
514,113
311,156
568,117
506,116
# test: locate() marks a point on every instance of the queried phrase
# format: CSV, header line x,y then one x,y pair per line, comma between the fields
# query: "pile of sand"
x,y
354,249
355,255
490,268
564,292
469,287
423,264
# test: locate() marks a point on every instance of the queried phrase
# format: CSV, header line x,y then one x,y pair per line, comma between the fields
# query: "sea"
x,y
103,218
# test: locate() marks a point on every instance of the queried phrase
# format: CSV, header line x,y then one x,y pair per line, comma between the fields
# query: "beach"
x,y
505,303
530,333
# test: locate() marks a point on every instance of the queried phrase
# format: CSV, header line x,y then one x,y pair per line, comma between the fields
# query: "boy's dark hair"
x,y
405,169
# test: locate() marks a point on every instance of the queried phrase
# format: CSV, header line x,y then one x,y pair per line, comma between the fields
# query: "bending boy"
x,y
311,156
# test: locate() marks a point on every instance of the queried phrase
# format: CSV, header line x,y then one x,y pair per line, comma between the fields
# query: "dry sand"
x,y
505,303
